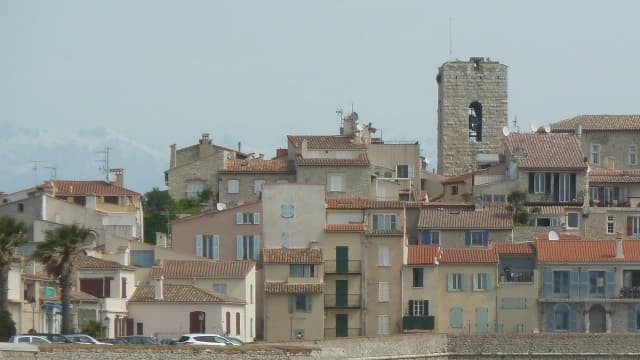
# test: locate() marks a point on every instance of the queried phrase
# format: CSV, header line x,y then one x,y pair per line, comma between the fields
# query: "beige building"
x,y
243,180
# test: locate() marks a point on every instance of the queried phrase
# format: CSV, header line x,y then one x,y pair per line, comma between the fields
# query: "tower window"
x,y
475,122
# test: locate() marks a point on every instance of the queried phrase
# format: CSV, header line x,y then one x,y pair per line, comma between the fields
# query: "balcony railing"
x,y
632,292
342,301
342,267
332,333
517,277
418,322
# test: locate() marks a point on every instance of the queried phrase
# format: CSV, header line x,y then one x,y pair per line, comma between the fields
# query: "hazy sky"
x,y
138,76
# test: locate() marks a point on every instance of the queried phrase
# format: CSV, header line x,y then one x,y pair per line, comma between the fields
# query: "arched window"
x,y
475,121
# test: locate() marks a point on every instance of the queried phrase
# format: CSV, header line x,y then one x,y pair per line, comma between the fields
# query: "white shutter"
x,y
256,218
239,247
215,247
199,245
383,291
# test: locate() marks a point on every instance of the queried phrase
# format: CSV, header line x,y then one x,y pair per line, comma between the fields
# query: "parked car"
x,y
84,339
113,341
28,339
138,340
234,341
54,338
168,341
203,339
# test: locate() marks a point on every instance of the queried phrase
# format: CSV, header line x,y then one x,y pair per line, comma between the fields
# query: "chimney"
x,y
281,152
116,177
160,288
579,130
619,251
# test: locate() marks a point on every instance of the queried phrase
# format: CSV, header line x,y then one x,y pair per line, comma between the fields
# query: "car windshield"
x,y
183,338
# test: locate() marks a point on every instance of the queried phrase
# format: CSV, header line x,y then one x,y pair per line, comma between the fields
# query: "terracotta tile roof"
x,y
561,236
291,256
364,203
422,254
521,248
259,166
361,160
216,212
90,262
598,123
181,294
326,142
546,151
601,175
90,187
380,232
76,296
344,227
180,269
468,255
495,216
285,288
586,251
461,178
547,209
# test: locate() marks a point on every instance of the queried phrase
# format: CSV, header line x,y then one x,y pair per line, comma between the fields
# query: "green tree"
x,y
516,201
93,328
58,252
7,325
12,235
158,211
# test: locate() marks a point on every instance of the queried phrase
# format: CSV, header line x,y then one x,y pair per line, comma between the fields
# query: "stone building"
x,y
472,110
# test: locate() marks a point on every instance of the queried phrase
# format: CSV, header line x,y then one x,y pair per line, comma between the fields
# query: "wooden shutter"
x,y
489,281
629,225
129,326
123,289
556,187
550,317
610,284
584,283
485,238
227,321
573,319
455,315
463,282
449,282
107,286
237,323
425,307
307,302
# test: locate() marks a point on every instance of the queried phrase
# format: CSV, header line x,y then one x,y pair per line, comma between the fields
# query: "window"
x,y
237,323
633,154
611,224
630,278
418,307
595,154
383,256
383,291
258,185
476,238
284,239
593,193
564,187
247,218
539,180
562,318
633,225
247,247
208,246
455,317
418,277
404,172
454,190
335,182
220,288
573,220
596,283
455,282
233,186
140,328
301,270
383,324
475,122
480,282
287,211
561,283
300,302
384,221
435,237
20,207
194,188
499,198
111,200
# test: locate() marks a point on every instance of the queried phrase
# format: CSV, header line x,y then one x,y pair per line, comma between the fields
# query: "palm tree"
x,y
12,235
60,248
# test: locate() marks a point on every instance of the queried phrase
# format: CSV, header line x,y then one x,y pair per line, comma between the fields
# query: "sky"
x,y
135,76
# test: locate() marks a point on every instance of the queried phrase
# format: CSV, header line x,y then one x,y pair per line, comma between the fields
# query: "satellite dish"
x,y
588,169
547,128
505,131
553,235
221,206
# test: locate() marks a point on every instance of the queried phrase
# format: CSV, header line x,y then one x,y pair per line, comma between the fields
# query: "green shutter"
x,y
550,316
547,284
455,317
482,319
610,284
632,322
574,285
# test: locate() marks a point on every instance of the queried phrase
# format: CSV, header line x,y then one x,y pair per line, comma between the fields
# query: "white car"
x,y
203,339
29,339
84,339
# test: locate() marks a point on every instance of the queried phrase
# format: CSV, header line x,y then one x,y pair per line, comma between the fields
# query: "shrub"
x,y
7,325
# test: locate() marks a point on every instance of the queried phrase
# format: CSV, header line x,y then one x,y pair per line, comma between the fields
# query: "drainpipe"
x,y
401,299
363,277
496,287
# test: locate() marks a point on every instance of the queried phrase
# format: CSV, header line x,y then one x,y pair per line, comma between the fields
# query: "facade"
x,y
243,180
472,110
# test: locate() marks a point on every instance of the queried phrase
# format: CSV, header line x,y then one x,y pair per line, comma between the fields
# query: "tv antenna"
x,y
515,121
36,164
104,162
52,172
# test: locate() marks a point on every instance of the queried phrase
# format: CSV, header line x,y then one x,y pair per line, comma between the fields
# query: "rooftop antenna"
x,y
450,40
105,162
52,172
35,170
515,121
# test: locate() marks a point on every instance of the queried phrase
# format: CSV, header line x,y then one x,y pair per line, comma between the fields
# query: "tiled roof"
x,y
585,251
361,160
75,295
422,254
601,175
292,256
259,166
181,294
561,236
90,262
90,187
521,248
461,178
537,210
364,203
326,142
215,212
598,122
468,255
285,288
180,269
344,227
495,216
384,232
546,151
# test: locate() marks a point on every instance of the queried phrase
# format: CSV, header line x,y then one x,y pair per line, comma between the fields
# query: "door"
x,y
482,320
197,322
342,293
342,325
342,259
597,319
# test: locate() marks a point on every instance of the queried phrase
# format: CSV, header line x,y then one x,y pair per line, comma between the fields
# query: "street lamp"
x,y
33,313
106,326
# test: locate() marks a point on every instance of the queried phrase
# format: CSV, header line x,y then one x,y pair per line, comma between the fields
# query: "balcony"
x,y
350,332
342,301
342,267
418,322
632,292
517,277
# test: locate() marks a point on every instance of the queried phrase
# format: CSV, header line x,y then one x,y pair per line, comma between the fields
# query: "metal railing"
x,y
517,277
342,301
631,292
342,267
418,322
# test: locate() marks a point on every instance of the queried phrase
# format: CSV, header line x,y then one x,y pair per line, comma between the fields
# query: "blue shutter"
x,y
467,238
550,316
610,280
256,247
633,318
375,222
573,319
239,250
489,281
455,317
463,282
198,245
215,247
584,284
547,284
574,285
485,238
482,319
426,237
238,218
449,282
256,218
